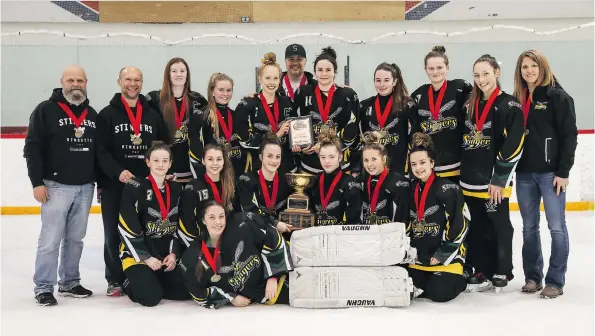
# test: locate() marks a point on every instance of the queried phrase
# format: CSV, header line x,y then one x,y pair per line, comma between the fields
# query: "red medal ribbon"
x,y
526,108
214,189
76,121
324,110
269,201
290,88
435,109
273,119
211,260
134,121
384,116
424,196
479,121
374,199
180,115
227,128
162,207
325,199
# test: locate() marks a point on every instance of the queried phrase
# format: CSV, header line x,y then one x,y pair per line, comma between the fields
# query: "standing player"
x,y
177,102
295,76
492,146
125,128
550,146
440,112
332,108
60,151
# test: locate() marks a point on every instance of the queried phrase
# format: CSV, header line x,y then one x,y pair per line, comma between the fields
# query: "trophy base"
x,y
299,219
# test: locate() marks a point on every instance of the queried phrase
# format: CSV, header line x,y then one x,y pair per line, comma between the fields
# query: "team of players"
x,y
374,162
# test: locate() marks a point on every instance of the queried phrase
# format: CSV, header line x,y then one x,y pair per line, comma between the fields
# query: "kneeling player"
x,y
240,260
148,218
438,225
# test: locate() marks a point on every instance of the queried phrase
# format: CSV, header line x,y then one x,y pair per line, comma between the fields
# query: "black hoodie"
x,y
51,148
117,152
551,141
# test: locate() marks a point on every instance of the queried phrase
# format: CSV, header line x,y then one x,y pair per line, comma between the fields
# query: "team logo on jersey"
x,y
158,228
432,126
490,206
472,141
423,228
540,105
387,138
241,269
181,134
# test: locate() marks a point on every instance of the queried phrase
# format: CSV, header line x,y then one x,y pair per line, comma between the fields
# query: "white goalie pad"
x,y
350,245
343,287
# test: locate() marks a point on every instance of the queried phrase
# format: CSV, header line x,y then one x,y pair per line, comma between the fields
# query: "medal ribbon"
x,y
162,207
290,88
214,189
374,198
211,260
526,108
269,201
479,121
180,115
384,116
424,196
227,128
273,119
76,121
324,109
325,199
435,109
135,122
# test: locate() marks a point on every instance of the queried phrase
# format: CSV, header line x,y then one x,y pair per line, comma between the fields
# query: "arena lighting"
x,y
293,36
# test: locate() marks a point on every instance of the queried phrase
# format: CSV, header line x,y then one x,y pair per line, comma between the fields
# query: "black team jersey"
x,y
286,88
443,227
344,205
392,201
491,156
250,252
143,230
446,128
254,198
341,119
262,122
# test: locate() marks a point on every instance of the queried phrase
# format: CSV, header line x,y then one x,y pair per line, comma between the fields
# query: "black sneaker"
x,y
76,291
46,299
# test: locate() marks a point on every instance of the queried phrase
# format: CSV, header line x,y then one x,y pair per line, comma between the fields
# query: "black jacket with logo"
x,y
393,198
283,91
52,150
345,203
251,197
114,131
550,144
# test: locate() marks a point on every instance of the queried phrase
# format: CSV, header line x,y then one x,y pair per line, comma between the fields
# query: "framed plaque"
x,y
301,132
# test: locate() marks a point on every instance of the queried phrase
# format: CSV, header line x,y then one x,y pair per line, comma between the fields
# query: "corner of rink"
x,y
17,198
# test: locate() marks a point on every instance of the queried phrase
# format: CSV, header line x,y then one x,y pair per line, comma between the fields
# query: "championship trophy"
x,y
298,212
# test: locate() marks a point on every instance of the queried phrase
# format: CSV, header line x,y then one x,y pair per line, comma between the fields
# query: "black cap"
x,y
295,50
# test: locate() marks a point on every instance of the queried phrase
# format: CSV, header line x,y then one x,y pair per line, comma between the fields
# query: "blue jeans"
x,y
63,224
531,188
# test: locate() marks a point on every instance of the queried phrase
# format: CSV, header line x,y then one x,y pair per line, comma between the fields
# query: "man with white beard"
x,y
60,153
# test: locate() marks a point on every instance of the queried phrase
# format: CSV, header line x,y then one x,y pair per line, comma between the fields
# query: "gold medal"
x,y
527,131
382,133
178,135
215,278
136,140
435,126
478,136
78,132
418,227
373,218
324,128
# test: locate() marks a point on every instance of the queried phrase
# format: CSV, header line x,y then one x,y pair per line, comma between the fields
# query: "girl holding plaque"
x,y
265,191
385,193
217,183
148,218
492,146
390,113
239,260
177,103
438,225
336,196
268,112
219,124
332,108
440,112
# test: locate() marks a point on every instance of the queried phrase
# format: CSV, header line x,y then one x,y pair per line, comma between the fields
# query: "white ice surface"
x,y
508,313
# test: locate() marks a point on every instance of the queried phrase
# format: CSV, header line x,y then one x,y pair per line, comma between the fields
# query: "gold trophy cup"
x,y
298,211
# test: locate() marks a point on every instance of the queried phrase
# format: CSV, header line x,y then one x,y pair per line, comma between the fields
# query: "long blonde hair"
x,y
546,76
212,105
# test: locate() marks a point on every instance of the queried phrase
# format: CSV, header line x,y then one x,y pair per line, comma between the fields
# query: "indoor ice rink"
x,y
40,38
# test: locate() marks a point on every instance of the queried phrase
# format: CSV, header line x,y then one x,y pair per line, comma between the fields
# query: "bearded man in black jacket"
x,y
60,153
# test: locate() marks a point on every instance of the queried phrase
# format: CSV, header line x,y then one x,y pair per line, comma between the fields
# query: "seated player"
x,y
336,197
238,260
385,193
439,221
148,217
